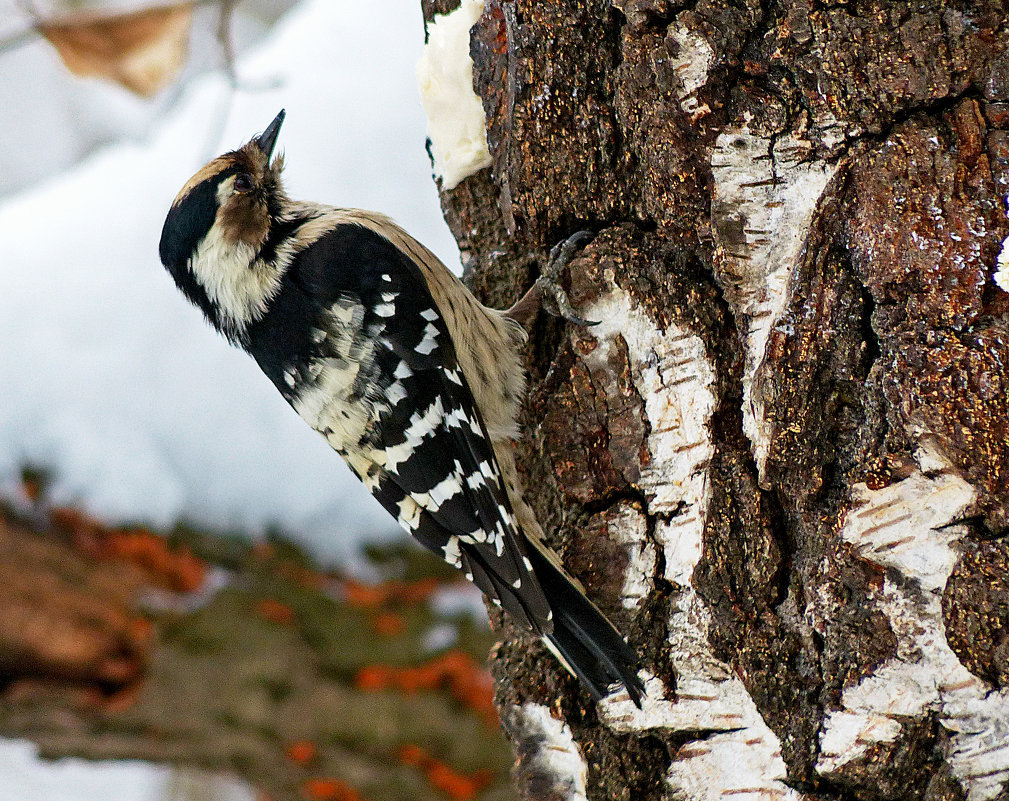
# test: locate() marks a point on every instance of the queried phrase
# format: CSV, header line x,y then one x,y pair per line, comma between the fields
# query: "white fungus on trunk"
x,y
1001,276
765,192
905,527
455,116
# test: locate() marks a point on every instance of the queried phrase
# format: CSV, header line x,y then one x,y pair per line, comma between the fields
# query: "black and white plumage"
x,y
387,355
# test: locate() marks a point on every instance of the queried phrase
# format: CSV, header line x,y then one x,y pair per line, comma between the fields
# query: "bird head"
x,y
215,237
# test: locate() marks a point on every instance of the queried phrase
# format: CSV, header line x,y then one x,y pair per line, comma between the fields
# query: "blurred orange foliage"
x,y
457,786
301,752
177,570
304,577
275,612
389,624
329,790
372,596
468,681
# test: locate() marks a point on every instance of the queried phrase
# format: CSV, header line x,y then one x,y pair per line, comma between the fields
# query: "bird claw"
x,y
549,285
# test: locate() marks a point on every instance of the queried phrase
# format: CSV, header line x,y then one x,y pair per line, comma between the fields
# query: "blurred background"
x,y
110,380
135,441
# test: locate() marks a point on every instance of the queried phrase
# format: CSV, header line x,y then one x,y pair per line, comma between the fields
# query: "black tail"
x,y
585,640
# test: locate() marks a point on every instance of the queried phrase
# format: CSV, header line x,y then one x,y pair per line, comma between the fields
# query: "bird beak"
x,y
268,139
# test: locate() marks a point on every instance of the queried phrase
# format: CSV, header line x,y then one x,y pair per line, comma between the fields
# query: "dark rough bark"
x,y
867,368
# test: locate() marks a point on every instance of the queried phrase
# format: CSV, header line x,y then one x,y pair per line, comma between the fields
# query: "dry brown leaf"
x,y
142,50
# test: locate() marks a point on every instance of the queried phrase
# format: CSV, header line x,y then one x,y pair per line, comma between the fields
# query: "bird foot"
x,y
549,283
547,292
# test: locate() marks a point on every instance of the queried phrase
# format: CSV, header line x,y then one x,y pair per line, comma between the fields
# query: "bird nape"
x,y
386,354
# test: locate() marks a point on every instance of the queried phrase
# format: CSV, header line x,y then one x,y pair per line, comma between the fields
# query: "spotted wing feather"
x,y
437,454
425,455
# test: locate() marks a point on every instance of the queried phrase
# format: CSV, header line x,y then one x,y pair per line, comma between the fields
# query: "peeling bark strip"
x,y
907,527
765,192
781,461
551,763
671,372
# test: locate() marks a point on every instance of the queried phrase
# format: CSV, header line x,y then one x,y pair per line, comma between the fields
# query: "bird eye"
x,y
243,182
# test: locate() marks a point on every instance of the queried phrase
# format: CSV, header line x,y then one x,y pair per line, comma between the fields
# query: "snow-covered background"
x,y
108,379
24,778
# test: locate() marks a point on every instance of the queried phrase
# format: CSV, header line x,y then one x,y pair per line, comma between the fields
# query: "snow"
x,y
27,779
110,379
455,117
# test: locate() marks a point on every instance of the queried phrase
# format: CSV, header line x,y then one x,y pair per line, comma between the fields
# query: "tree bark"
x,y
780,462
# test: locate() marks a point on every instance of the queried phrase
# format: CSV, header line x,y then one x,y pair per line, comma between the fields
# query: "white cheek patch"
x,y
238,285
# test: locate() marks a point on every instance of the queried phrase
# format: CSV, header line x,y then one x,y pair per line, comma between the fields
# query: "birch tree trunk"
x,y
780,461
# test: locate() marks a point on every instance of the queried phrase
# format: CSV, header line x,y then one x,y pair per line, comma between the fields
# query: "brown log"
x,y
304,685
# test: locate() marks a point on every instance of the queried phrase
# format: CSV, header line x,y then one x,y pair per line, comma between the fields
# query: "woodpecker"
x,y
386,354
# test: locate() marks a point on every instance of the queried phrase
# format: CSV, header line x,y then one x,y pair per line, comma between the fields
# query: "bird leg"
x,y
547,292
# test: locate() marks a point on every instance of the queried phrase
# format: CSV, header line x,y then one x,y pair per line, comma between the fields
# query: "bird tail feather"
x,y
582,638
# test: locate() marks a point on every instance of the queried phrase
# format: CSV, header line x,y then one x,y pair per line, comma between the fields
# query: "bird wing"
x,y
428,459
